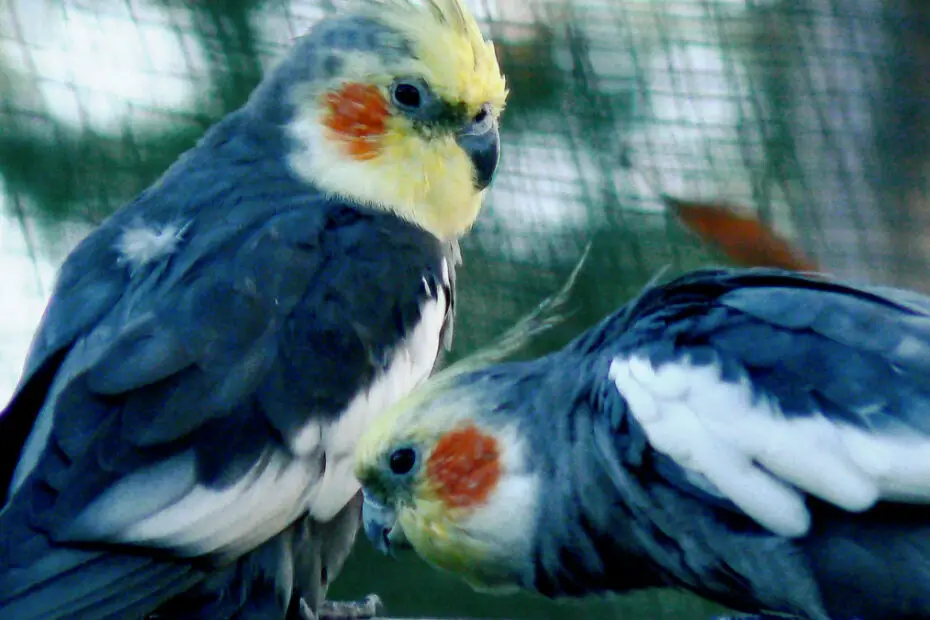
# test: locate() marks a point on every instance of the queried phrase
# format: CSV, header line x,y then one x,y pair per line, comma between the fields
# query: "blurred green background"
x,y
810,114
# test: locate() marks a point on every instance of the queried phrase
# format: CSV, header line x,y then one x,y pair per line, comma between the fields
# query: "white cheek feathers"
x,y
514,501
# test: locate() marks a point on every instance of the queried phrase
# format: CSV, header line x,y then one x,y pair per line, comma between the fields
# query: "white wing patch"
x,y
201,520
164,506
759,459
411,365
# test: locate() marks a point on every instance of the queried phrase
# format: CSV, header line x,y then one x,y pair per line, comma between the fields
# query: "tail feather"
x,y
138,591
73,584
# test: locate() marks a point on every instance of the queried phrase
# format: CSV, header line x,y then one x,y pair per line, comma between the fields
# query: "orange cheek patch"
x,y
357,114
464,467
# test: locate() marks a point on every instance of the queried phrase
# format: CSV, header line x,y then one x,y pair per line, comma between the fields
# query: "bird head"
x,y
393,104
448,469
446,473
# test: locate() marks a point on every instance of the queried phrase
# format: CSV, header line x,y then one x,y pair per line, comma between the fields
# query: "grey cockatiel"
x,y
181,441
759,437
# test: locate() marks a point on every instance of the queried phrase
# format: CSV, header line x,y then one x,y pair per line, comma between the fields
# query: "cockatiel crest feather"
x,y
366,144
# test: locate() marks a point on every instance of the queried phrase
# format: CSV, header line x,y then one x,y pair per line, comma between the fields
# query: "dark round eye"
x,y
403,460
407,95
482,121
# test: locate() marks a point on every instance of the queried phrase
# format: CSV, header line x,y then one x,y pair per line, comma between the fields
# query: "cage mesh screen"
x,y
807,113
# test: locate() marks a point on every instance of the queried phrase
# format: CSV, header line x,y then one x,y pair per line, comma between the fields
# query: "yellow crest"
x,y
452,54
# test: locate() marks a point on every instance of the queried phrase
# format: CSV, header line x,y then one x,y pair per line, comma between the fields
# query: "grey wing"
x,y
135,398
170,424
778,389
87,288
120,438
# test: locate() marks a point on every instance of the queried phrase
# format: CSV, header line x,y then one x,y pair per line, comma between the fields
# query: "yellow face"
x,y
440,491
454,488
439,539
412,125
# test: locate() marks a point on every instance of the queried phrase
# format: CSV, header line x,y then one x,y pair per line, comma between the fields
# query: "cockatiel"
x,y
180,443
759,437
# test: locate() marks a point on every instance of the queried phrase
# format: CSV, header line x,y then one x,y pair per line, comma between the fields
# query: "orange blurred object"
x,y
744,239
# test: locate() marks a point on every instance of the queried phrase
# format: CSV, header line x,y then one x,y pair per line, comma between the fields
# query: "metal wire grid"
x,y
809,112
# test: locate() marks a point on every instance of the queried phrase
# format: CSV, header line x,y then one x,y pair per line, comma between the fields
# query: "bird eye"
x,y
482,114
403,460
407,95
481,122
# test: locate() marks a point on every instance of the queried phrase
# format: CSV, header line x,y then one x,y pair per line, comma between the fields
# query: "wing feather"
x,y
169,420
774,387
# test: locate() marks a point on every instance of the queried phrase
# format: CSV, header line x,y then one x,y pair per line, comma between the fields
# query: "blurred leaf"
x,y
534,82
740,235
76,174
226,31
65,174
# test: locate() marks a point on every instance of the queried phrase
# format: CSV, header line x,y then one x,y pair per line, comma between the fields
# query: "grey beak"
x,y
380,522
484,150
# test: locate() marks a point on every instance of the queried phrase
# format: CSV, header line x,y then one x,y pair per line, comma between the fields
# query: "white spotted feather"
x,y
140,244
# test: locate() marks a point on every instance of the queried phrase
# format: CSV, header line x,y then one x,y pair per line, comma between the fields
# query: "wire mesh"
x,y
808,113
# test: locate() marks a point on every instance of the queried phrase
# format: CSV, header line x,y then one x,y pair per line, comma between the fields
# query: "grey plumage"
x,y
811,344
309,551
176,416
758,437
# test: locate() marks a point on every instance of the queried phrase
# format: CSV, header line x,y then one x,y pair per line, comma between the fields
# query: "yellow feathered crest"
x,y
459,63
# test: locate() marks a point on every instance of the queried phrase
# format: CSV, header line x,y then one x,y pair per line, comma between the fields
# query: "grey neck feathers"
x,y
586,540
615,518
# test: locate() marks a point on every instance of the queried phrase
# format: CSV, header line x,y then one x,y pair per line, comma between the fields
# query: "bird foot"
x,y
364,609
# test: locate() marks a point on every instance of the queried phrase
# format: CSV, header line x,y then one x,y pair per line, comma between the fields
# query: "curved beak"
x,y
482,144
380,523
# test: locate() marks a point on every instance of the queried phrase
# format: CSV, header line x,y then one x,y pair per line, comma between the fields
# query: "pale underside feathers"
x,y
182,513
202,402
412,364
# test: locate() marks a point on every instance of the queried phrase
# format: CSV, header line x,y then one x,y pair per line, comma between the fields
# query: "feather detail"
x,y
464,467
357,115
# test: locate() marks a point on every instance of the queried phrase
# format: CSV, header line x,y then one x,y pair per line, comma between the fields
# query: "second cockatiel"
x,y
759,437
180,443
